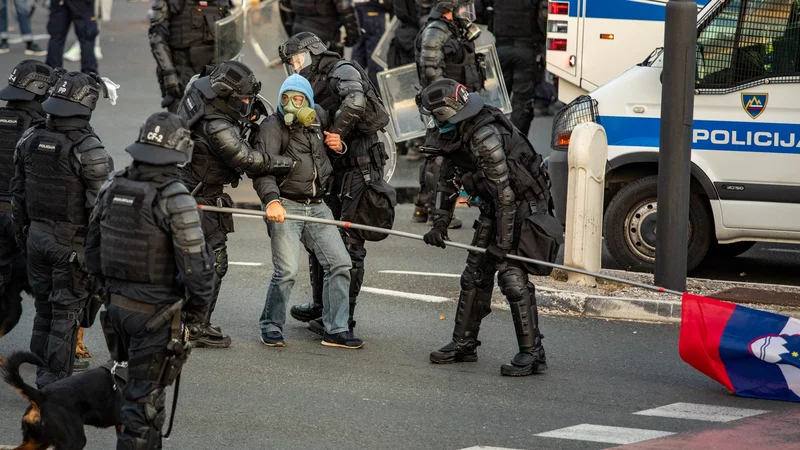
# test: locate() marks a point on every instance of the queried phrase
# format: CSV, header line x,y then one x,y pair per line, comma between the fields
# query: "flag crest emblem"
x,y
754,104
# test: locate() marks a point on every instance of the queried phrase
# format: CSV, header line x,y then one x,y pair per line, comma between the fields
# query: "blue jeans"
x,y
23,8
326,243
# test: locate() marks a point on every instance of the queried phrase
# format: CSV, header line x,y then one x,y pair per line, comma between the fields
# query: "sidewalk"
x,y
614,300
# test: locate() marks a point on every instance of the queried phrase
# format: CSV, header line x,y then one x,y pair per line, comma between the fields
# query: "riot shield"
x,y
265,32
381,53
391,150
229,36
400,85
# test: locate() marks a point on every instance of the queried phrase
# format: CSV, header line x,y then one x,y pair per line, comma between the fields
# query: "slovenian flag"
x,y
753,353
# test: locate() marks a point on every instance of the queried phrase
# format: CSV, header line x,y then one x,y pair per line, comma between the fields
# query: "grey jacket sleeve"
x,y
487,145
159,36
230,145
350,87
193,257
95,165
268,142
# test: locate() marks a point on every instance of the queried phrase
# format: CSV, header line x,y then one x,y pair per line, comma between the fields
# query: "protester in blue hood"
x,y
296,130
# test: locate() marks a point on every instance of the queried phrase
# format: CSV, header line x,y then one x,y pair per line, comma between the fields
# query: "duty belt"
x,y
133,305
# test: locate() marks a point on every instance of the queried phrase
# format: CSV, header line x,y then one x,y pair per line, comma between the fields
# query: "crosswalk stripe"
x,y
603,433
696,411
423,297
427,274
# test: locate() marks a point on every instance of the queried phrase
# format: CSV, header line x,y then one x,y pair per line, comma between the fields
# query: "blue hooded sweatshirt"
x,y
297,83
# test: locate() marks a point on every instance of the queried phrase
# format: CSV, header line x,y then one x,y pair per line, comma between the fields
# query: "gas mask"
x,y
464,16
296,107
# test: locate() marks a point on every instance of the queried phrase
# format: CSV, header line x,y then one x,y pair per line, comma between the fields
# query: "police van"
x,y
745,184
590,42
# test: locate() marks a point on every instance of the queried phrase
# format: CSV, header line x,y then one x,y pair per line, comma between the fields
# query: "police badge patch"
x,y
754,104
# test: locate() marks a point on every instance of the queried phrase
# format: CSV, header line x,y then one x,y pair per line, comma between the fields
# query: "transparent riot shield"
x,y
265,32
381,53
400,85
229,36
391,150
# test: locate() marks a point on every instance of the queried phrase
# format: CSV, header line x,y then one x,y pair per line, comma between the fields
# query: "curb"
x,y
566,303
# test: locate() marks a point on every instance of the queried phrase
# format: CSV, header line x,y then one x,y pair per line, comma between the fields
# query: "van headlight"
x,y
582,109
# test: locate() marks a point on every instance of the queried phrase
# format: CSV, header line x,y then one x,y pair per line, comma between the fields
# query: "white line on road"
x,y
237,263
602,433
428,274
482,447
423,297
782,250
695,411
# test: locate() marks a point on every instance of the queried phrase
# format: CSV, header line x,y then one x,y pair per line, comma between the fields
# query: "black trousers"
x,y
64,13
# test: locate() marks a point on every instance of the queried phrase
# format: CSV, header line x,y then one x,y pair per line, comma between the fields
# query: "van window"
x,y
748,41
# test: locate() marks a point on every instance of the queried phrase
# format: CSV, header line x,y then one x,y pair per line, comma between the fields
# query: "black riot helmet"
x,y
463,14
30,80
449,101
163,139
236,85
298,52
74,94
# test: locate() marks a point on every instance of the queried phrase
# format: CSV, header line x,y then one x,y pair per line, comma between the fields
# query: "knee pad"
x,y
513,283
154,409
221,262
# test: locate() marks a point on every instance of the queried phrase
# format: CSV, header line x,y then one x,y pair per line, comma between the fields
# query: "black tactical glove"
x,y
436,237
173,93
495,254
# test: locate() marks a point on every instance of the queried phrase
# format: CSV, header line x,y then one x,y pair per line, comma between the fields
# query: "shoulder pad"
x,y
214,126
90,142
174,188
483,133
437,26
27,134
180,203
346,72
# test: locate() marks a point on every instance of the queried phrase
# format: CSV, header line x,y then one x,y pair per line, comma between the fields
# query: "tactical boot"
x,y
456,351
200,337
531,357
526,362
420,214
213,331
306,312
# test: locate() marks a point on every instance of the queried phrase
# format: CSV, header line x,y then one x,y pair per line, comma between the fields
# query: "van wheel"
x,y
630,226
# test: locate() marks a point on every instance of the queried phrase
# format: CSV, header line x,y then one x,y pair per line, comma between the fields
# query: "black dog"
x,y
11,299
59,411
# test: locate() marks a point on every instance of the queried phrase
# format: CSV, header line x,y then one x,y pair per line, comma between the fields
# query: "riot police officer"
x,y
323,18
343,89
182,42
493,161
146,243
519,27
26,90
60,167
216,108
445,48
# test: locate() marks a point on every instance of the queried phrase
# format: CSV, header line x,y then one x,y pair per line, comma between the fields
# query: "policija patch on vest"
x,y
47,146
123,200
7,122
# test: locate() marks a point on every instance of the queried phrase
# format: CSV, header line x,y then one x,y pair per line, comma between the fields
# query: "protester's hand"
x,y
436,237
495,254
275,212
333,141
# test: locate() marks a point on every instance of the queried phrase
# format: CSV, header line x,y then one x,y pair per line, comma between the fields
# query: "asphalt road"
x,y
388,395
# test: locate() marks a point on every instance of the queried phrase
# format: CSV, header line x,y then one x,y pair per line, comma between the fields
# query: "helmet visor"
x,y
466,12
298,62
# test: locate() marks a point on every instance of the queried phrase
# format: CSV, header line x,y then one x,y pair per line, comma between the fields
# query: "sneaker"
x,y
74,53
272,339
4,46
33,49
97,53
80,365
345,339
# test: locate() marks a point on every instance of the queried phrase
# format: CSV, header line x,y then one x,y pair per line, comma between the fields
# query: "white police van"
x,y
745,183
589,42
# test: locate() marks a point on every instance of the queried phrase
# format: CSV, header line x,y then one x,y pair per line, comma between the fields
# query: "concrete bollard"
x,y
586,158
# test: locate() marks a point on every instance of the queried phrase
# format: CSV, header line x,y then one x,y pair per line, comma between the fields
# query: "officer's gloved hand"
x,y
436,237
495,254
173,93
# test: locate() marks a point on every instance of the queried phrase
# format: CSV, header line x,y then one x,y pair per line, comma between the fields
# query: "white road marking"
x,y
237,263
427,274
781,250
602,433
423,297
695,411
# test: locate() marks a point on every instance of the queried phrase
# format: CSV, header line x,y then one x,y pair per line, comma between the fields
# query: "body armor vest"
x,y
52,189
13,123
133,246
191,22
516,19
528,181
